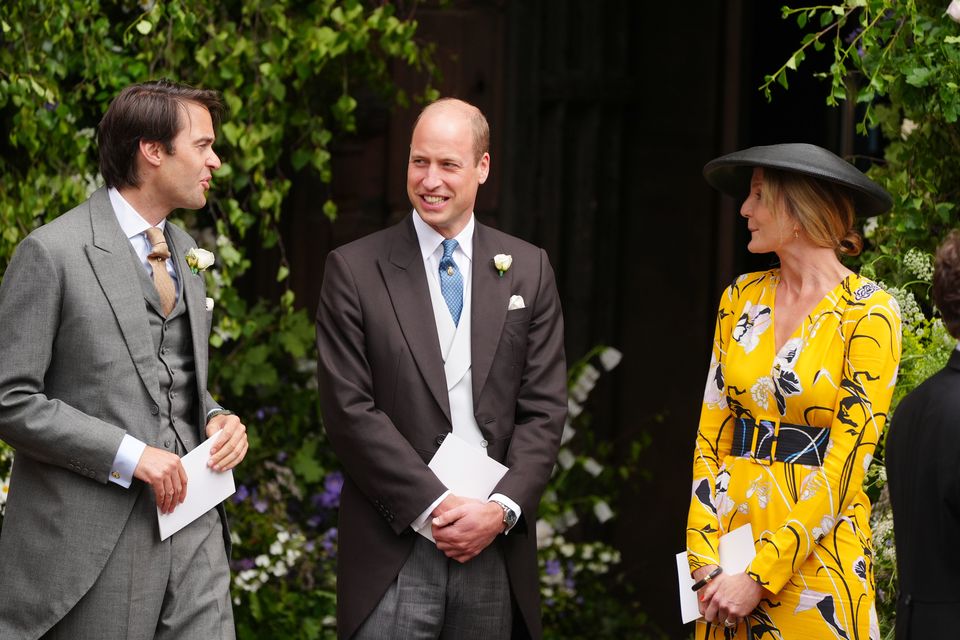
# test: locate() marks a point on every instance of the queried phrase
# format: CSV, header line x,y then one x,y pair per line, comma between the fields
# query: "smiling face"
x,y
184,175
768,231
443,174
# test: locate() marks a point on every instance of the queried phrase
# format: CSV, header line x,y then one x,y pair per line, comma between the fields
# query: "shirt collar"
x,y
130,221
429,239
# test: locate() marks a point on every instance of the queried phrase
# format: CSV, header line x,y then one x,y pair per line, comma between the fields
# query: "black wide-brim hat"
x,y
731,173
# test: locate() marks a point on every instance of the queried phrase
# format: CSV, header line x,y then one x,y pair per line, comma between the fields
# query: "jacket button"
x,y
440,439
483,443
154,409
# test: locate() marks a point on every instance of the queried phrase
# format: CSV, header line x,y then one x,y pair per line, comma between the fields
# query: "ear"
x,y
152,152
484,166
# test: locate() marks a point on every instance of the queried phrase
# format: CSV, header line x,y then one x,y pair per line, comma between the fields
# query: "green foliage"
x,y
900,60
584,594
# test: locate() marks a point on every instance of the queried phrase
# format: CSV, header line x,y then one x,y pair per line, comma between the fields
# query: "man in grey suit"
x,y
440,325
103,388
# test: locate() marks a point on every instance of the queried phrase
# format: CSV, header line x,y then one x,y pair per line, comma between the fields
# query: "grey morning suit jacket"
x,y
77,371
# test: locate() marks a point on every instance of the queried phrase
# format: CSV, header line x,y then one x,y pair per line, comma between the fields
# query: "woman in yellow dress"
x,y
804,364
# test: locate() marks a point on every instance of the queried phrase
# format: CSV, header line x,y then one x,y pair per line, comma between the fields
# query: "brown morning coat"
x,y
385,405
923,472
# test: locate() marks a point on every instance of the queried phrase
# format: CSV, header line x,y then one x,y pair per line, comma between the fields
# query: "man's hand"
x,y
467,529
229,450
163,472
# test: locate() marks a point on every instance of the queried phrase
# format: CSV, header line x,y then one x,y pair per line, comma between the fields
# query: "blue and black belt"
x,y
769,440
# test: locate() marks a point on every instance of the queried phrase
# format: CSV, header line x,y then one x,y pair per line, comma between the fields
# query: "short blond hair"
x,y
823,210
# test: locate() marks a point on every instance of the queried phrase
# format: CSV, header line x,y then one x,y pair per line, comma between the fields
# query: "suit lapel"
x,y
406,283
192,289
109,257
491,294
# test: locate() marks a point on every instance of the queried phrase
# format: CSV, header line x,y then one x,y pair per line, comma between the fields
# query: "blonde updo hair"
x,y
823,210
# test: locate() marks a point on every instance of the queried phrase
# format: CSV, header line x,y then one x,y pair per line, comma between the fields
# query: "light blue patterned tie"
x,y
451,281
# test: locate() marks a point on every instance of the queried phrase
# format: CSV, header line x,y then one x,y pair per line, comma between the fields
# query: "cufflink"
x,y
115,475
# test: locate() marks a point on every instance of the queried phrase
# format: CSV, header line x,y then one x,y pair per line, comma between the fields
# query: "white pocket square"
x,y
516,302
209,304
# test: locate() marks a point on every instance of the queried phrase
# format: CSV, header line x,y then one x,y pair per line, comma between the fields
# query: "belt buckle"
x,y
765,422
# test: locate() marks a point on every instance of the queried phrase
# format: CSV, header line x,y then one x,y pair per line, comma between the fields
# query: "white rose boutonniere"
x,y
199,259
502,262
954,10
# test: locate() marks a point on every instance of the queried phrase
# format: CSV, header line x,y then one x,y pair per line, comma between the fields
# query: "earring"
x,y
796,233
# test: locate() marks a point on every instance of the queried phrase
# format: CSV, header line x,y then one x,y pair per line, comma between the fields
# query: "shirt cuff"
x,y
421,520
126,461
499,497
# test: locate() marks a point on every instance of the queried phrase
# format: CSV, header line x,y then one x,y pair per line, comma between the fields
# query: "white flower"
x,y
714,395
908,126
566,458
199,259
751,325
592,467
954,10
502,262
610,358
603,511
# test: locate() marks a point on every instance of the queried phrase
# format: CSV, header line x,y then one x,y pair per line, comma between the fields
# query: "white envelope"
x,y
206,489
736,552
466,470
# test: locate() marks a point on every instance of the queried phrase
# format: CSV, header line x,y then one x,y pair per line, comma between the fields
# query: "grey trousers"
x,y
175,589
436,597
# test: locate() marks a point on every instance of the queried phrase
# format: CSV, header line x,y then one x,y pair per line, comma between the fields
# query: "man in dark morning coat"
x,y
103,374
402,364
923,473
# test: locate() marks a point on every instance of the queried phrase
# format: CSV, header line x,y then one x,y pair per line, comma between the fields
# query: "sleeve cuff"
x,y
499,497
421,520
126,461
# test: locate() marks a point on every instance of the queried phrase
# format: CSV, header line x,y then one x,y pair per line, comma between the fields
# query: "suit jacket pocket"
x,y
518,315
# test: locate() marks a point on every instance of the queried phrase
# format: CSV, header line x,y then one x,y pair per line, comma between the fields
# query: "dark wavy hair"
x,y
946,282
146,111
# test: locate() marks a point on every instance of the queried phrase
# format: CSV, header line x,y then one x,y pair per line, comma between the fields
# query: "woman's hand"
x,y
727,599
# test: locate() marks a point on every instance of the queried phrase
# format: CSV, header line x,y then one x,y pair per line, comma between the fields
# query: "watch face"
x,y
509,518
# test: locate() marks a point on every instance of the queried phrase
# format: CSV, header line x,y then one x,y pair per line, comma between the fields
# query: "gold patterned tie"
x,y
158,262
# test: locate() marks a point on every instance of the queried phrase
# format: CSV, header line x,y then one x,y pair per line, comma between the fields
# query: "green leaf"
x,y
919,76
330,210
304,463
282,273
144,27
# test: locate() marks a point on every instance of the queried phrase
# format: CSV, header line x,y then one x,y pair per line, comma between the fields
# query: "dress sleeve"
x,y
871,355
714,439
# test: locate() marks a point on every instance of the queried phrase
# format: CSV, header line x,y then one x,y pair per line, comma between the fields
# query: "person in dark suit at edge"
x,y
923,474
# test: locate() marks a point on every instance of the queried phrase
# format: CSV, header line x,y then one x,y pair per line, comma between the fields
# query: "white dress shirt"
x,y
453,338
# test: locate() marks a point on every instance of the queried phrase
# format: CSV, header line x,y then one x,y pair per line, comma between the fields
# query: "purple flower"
x,y
332,486
241,494
552,567
243,564
329,541
259,504
281,456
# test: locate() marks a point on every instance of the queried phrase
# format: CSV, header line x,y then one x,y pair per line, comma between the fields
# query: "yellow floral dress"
x,y
811,523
